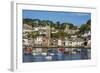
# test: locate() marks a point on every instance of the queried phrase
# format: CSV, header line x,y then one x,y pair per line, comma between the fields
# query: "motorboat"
x,y
48,58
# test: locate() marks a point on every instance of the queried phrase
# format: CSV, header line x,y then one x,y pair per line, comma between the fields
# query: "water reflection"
x,y
57,55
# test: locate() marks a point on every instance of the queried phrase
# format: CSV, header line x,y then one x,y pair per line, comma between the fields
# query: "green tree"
x,y
85,27
89,22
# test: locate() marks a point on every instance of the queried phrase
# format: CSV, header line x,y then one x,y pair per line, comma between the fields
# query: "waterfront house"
x,y
89,43
38,41
59,42
74,42
25,42
45,41
54,42
28,42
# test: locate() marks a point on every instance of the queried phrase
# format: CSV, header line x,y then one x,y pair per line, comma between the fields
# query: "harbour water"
x,y
55,55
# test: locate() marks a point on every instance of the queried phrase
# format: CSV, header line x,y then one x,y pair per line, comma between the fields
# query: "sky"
x,y
75,18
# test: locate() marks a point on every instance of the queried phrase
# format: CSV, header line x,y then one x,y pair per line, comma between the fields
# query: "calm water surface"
x,y
54,55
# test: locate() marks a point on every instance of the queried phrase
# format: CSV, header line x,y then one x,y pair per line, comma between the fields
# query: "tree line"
x,y
58,26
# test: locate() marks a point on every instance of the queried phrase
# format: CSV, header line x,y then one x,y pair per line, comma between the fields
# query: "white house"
x,y
87,34
38,40
59,42
74,42
36,29
74,36
25,42
89,43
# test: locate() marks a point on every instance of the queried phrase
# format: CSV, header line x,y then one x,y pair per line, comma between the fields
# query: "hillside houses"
x,y
41,39
44,39
70,31
86,34
74,42
41,36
